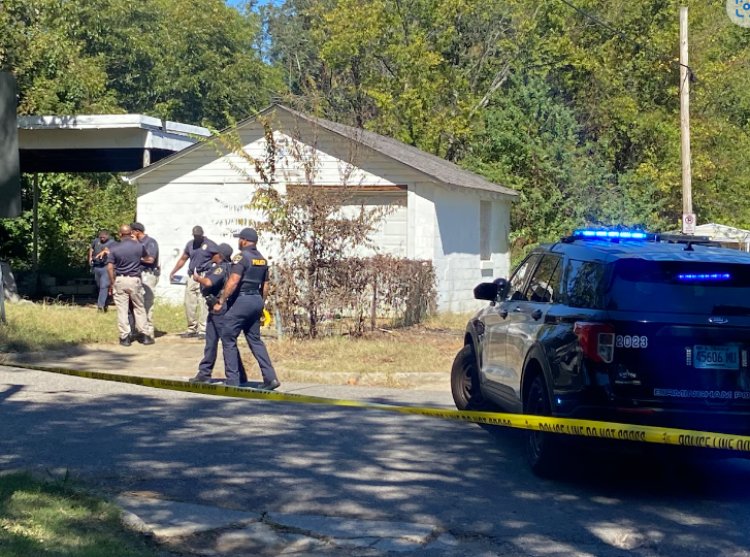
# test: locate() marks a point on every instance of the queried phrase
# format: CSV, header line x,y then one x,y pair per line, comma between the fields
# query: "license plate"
x,y
716,357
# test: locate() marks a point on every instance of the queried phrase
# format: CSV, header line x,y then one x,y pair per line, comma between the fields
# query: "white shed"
x,y
438,211
728,236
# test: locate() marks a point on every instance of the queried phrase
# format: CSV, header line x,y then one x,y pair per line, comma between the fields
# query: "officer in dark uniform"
x,y
98,262
124,269
198,252
249,275
149,274
211,285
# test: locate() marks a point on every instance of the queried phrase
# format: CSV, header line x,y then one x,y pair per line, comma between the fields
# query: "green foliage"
x,y
193,61
576,109
71,211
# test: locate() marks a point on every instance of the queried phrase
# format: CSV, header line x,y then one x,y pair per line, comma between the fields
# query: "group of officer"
x,y
127,270
224,295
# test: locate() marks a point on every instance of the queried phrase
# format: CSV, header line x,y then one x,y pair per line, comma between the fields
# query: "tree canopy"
x,y
573,103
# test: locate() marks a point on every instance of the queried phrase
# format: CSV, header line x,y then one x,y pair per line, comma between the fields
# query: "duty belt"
x,y
250,293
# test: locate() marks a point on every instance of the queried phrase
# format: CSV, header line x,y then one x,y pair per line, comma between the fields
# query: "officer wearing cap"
x,y
199,252
211,286
149,273
249,275
124,270
98,252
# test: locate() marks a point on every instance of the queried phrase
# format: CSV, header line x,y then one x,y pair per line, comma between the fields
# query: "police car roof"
x,y
608,250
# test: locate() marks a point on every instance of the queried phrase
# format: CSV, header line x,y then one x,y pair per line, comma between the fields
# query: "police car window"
x,y
584,284
680,287
545,280
519,278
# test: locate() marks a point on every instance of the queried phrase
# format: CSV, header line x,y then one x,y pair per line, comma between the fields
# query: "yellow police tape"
x,y
567,426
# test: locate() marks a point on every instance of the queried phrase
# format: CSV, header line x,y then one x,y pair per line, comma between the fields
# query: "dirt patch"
x,y
409,358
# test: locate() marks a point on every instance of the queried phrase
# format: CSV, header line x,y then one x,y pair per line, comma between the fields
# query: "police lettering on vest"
x,y
252,268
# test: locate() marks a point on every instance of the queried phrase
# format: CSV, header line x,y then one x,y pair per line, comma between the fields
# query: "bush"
x,y
354,293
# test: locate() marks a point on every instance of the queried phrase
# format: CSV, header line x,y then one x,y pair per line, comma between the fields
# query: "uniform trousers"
x,y
102,283
244,317
127,291
214,324
150,280
196,311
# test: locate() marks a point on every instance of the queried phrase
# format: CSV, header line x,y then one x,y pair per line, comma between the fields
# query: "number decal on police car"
x,y
631,341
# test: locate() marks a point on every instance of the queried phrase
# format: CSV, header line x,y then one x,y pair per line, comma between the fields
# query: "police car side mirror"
x,y
491,291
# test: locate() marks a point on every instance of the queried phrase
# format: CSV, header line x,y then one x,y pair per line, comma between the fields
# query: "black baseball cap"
x,y
138,226
248,234
225,250
197,231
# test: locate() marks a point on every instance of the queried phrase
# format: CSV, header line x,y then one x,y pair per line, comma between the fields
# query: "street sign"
x,y
739,12
688,223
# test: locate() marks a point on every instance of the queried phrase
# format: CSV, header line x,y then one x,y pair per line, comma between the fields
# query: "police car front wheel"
x,y
465,381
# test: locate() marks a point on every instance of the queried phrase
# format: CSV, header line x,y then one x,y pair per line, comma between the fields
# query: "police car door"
x,y
527,318
494,358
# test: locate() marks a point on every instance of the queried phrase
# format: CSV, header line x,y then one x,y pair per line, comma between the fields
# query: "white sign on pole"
x,y
688,223
739,12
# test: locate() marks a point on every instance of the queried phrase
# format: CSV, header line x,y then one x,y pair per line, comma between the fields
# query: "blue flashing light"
x,y
610,234
703,277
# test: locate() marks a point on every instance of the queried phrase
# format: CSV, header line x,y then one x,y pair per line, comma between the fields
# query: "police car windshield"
x,y
679,287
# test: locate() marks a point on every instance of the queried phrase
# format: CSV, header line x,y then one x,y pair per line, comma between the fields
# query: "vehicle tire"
x,y
542,449
465,381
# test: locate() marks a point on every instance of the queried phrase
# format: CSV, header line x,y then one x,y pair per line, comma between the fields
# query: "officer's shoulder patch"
x,y
237,258
218,271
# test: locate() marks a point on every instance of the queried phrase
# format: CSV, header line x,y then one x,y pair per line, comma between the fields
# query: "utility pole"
x,y
688,217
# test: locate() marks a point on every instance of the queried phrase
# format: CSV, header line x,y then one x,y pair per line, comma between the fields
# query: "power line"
x,y
624,36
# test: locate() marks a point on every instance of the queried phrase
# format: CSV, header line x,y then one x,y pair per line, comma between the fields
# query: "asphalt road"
x,y
346,462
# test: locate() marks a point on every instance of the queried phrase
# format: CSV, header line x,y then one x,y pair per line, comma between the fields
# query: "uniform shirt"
x,y
200,255
97,246
252,268
152,249
126,257
218,275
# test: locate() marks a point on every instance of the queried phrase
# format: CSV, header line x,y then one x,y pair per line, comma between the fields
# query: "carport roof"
x,y
100,143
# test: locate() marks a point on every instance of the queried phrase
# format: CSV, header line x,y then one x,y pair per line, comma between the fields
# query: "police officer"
x,y
211,286
98,262
124,270
149,273
249,275
199,251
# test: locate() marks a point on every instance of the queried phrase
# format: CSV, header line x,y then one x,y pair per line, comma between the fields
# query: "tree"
x,y
317,227
195,61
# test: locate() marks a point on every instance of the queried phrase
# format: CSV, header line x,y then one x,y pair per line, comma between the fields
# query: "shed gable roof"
x,y
430,165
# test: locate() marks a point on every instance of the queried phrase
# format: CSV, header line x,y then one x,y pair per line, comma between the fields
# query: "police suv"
x,y
613,325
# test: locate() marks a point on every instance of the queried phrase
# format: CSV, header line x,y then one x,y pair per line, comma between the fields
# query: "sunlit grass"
x,y
428,347
45,326
58,520
397,351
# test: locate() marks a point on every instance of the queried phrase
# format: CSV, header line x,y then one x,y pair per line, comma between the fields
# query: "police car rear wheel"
x,y
542,451
465,381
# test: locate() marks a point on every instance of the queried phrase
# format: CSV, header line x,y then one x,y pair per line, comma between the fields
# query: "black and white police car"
x,y
613,325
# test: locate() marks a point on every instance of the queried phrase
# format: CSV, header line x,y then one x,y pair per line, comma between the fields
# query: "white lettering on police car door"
x,y
631,341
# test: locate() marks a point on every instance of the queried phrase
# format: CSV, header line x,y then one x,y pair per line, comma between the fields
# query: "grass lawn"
x,y
430,346
56,519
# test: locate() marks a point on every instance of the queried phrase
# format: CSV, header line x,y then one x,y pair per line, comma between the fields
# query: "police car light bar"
x,y
695,277
610,234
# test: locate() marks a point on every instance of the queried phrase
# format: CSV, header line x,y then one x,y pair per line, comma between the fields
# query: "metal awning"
x,y
100,143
